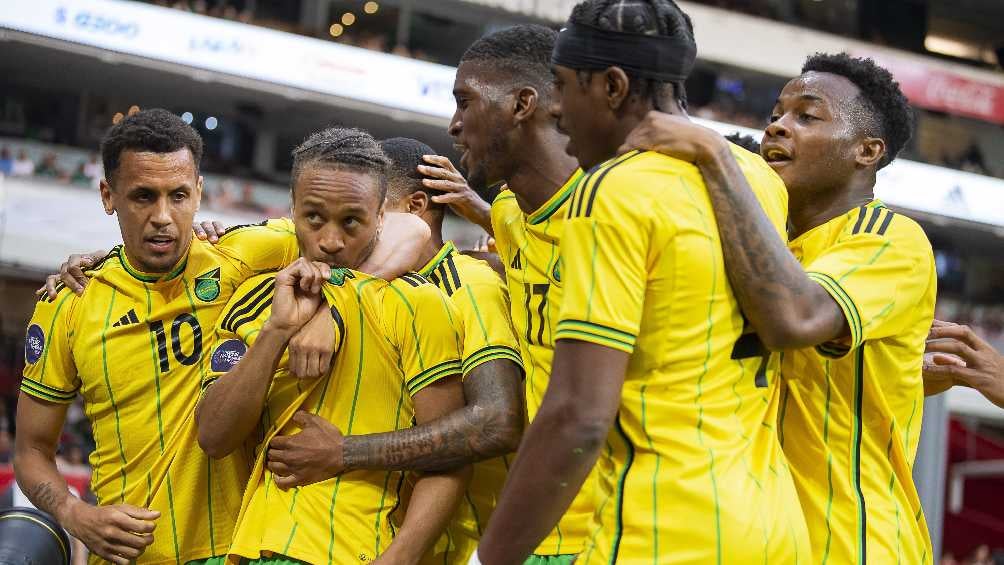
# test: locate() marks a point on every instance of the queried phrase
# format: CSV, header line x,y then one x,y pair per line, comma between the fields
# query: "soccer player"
x,y
398,359
850,300
652,370
491,423
132,346
506,133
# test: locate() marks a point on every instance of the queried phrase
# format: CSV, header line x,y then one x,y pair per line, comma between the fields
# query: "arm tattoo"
x,y
489,426
45,497
764,275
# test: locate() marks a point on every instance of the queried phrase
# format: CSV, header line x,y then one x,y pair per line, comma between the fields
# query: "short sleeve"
x,y
877,272
268,246
483,304
506,216
50,372
427,330
238,326
604,263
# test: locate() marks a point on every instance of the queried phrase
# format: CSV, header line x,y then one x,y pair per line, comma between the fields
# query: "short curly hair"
x,y
155,131
349,148
892,119
522,51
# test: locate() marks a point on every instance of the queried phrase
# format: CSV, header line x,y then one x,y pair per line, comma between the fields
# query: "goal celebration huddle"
x,y
677,351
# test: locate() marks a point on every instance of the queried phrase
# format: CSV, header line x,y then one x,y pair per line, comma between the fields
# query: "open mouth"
x,y
775,155
160,243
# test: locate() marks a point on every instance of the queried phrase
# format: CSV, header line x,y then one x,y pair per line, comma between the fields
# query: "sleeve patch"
x,y
227,355
34,344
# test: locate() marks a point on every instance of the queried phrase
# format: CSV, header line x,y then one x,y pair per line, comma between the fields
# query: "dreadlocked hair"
x,y
648,17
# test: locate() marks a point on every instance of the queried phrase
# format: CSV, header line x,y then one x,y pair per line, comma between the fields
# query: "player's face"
x,y
155,196
811,139
478,126
338,214
579,112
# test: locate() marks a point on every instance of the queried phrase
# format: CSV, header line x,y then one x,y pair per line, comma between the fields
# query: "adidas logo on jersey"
x,y
129,318
516,263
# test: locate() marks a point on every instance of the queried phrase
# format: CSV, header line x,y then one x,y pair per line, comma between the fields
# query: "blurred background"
x,y
254,77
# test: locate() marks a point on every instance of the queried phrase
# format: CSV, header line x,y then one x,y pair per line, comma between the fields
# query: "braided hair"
x,y
350,148
648,17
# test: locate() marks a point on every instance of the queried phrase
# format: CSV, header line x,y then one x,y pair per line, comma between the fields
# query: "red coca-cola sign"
x,y
935,89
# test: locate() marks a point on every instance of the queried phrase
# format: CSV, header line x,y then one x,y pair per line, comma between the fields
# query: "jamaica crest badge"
x,y
207,285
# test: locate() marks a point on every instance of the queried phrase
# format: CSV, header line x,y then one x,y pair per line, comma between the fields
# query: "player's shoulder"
x,y
251,298
876,220
505,205
624,184
767,185
475,271
413,284
247,236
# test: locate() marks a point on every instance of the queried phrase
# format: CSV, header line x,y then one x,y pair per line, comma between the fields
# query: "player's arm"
x,y
436,494
490,425
231,406
71,272
787,309
401,241
458,194
117,533
559,449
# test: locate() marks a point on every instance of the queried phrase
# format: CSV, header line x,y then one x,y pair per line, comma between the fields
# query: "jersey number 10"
x,y
186,319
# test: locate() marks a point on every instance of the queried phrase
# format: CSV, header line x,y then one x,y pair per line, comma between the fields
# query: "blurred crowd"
x,y
982,555
17,163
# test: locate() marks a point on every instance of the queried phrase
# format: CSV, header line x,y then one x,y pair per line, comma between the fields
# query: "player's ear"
x,y
198,193
106,197
527,99
870,152
418,202
617,84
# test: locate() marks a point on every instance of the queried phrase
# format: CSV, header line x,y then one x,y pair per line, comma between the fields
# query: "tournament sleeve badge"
x,y
207,285
34,344
227,355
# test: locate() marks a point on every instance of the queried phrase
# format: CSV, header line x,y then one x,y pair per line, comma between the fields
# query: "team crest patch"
x,y
556,272
339,275
207,285
34,344
227,355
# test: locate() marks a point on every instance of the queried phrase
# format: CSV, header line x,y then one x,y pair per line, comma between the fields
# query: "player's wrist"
x,y
279,329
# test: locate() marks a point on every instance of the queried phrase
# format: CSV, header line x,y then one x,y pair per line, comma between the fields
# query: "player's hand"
x,y
297,295
976,363
71,274
209,230
310,456
674,136
313,347
118,533
459,195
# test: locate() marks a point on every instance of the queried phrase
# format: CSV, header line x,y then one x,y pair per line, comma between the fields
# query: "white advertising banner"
x,y
239,49
387,80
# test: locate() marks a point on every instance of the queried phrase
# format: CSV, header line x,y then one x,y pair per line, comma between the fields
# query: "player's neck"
x,y
435,243
543,168
810,210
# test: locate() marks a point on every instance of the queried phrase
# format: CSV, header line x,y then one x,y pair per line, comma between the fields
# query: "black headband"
x,y
658,57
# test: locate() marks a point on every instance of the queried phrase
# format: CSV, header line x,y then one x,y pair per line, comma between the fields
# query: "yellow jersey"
x,y
851,410
692,470
132,346
529,247
392,340
480,296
